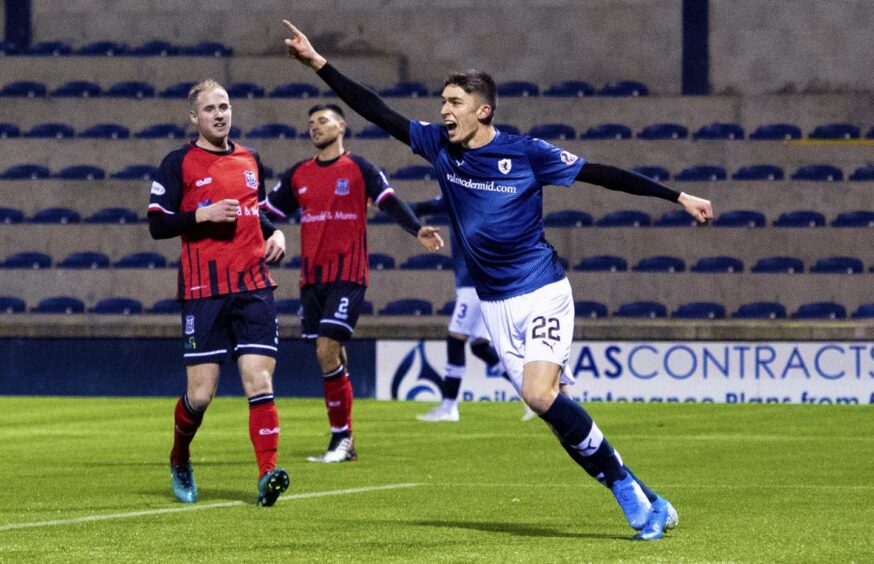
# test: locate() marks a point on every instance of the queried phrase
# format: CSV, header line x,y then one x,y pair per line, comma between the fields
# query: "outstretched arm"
x,y
360,98
614,178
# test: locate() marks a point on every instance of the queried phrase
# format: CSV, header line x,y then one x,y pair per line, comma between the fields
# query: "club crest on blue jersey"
x,y
568,158
189,325
251,179
505,165
342,187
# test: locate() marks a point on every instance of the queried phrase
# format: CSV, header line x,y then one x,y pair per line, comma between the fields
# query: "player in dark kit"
x,y
331,190
493,186
209,193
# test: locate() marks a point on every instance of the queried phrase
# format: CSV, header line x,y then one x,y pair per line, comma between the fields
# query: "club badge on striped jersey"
x,y
342,187
251,179
505,165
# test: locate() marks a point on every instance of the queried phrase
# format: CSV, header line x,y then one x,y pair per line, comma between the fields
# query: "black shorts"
x,y
243,323
330,310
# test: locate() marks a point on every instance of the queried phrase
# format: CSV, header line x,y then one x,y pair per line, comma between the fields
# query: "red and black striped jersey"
x,y
332,197
216,258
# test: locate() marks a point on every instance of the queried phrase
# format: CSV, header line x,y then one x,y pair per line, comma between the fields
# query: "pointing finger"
x,y
296,32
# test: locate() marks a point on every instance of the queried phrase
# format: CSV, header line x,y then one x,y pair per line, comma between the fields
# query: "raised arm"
x,y
614,178
363,100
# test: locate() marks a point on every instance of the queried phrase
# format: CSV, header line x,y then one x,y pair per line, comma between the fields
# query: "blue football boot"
x,y
271,485
655,525
184,487
632,501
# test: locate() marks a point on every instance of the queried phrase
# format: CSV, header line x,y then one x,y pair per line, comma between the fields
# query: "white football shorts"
x,y
467,317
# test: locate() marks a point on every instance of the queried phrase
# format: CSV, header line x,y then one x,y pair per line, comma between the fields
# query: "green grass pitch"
x,y
85,480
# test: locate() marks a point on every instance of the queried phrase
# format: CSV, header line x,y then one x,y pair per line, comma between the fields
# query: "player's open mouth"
x,y
450,126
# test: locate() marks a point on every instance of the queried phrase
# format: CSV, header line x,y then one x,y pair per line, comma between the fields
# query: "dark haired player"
x,y
332,190
209,193
493,186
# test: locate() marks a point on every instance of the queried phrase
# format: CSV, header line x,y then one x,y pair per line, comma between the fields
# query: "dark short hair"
x,y
333,107
477,83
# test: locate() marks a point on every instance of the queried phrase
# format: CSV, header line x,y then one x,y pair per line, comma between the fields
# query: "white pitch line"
x,y
180,509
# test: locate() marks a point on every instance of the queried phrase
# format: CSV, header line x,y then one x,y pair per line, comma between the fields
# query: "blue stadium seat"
x,y
132,89
507,128
161,131
760,310
553,131
642,309
405,90
294,262
607,131
25,172
702,173
166,306
819,173
565,263
245,90
415,172
570,89
719,131
700,310
759,172
663,131
235,133
11,215
117,306
113,215
660,264
585,308
205,49
81,172
102,49
11,304
136,172
740,218
625,218
27,259
272,131
657,173
295,90
623,88
820,310
407,306
838,265
381,261
105,131
835,131
85,260
155,48
51,130
864,311
778,265
24,89
48,49
372,132
675,218
8,48
776,132
366,307
447,308
602,263
800,218
56,215
9,131
144,259
517,89
720,264
288,306
177,91
863,173
77,89
427,262
59,304
568,218
854,219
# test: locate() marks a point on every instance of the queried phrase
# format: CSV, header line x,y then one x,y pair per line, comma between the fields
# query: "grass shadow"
x,y
518,529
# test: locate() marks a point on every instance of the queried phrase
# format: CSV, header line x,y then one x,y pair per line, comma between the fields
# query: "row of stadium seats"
x,y
382,261
696,173
420,307
549,131
115,48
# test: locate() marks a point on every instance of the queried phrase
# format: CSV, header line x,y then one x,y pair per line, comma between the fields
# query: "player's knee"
x,y
199,398
540,400
328,353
